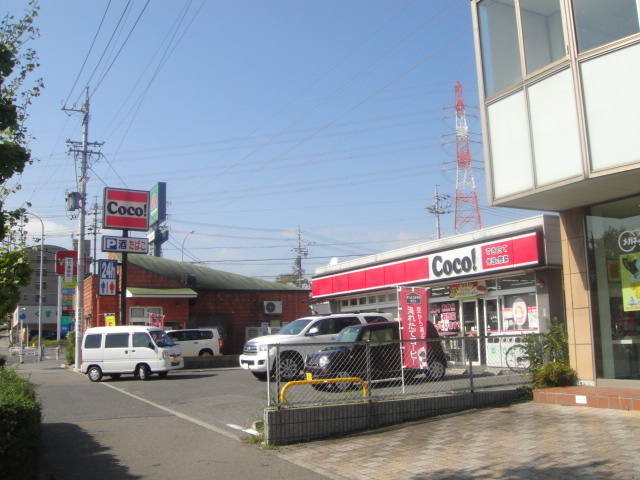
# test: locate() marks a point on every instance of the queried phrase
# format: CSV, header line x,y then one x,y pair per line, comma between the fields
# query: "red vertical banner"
x,y
413,304
156,320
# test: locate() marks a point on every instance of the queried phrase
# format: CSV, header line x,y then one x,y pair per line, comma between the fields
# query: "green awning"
x,y
161,292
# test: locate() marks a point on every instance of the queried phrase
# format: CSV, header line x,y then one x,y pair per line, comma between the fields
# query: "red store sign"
x,y
509,253
125,209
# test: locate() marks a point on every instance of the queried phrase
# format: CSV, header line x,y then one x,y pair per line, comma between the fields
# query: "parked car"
x,y
137,350
46,335
381,342
197,342
309,331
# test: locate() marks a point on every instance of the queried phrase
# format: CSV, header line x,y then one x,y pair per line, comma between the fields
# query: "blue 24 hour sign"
x,y
107,277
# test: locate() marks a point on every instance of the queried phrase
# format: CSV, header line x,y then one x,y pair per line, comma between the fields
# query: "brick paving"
x,y
517,442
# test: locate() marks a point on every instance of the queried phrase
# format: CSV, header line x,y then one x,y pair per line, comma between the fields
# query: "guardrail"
x,y
329,381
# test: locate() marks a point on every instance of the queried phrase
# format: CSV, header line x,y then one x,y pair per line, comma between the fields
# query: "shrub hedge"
x,y
20,417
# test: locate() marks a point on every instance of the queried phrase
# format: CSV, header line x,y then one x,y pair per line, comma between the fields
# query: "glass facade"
x,y
613,231
599,22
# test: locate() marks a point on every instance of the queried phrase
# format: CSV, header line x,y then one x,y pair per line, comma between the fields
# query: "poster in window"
x,y
444,315
630,279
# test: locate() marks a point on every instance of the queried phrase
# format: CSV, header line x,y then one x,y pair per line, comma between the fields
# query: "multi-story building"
x,y
559,99
26,313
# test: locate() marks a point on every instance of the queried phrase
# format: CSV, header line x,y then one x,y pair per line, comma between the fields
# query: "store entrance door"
x,y
472,328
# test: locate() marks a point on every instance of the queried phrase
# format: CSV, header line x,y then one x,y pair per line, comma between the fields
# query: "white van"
x,y
197,342
139,350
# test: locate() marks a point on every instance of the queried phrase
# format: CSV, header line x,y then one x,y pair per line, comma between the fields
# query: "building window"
x,y
613,255
44,285
499,45
542,32
598,22
140,315
44,272
44,298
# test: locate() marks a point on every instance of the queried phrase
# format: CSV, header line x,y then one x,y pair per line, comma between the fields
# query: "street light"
x,y
185,239
40,289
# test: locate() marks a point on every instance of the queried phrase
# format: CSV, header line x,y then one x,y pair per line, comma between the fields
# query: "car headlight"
x,y
263,348
166,355
323,361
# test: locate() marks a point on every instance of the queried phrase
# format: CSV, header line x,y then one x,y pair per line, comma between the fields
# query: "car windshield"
x,y
294,328
348,335
162,339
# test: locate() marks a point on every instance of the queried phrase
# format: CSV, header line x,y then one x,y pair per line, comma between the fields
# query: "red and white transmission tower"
x,y
467,208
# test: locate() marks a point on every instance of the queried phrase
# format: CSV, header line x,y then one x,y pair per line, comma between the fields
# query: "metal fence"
x,y
330,373
47,352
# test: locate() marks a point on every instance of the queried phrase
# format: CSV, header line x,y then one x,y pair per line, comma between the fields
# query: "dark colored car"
x,y
348,356
46,335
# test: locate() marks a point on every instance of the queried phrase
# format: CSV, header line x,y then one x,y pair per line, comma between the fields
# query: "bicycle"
x,y
516,358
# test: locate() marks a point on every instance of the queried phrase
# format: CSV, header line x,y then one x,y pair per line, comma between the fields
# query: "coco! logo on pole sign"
x,y
125,209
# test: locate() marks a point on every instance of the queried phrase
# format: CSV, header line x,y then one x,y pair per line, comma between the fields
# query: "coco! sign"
x,y
125,209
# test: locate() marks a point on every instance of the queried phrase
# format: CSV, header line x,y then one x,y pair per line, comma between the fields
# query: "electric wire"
x,y
88,53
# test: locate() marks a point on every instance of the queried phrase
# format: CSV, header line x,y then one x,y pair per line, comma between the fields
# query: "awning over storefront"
x,y
137,292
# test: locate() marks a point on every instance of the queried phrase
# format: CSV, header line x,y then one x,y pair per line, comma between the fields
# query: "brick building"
x,y
191,296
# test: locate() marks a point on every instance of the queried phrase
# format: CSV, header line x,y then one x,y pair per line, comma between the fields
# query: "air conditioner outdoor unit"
x,y
273,307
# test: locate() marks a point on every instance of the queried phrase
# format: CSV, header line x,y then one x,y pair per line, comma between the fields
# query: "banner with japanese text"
x,y
413,313
156,320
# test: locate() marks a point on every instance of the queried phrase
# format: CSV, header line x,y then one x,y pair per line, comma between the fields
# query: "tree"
x,y
16,62
293,279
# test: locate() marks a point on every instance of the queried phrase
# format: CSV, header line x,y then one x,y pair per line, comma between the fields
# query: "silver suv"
x,y
259,353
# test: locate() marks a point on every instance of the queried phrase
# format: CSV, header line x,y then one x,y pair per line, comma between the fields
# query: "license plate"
x,y
175,361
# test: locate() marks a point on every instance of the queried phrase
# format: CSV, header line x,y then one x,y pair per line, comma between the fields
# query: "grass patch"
x,y
259,438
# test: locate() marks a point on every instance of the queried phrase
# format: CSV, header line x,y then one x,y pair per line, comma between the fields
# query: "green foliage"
x,y
3,360
548,357
20,417
15,272
524,393
71,348
17,61
554,374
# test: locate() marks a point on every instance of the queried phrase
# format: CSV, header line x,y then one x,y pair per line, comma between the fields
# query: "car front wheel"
x,y
288,368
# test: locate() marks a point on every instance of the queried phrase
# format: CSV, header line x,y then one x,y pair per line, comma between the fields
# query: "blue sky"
x,y
262,117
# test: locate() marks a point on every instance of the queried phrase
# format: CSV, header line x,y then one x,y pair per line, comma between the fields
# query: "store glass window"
x,y
542,31
520,313
499,45
526,280
614,262
599,22
445,317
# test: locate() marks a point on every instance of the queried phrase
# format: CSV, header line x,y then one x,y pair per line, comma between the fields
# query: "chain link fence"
x,y
384,368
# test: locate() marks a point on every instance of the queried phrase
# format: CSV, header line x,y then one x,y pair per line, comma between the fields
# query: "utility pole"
x,y
84,153
437,210
301,252
94,229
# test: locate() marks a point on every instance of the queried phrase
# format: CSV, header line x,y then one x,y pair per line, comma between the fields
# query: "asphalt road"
x,y
160,429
